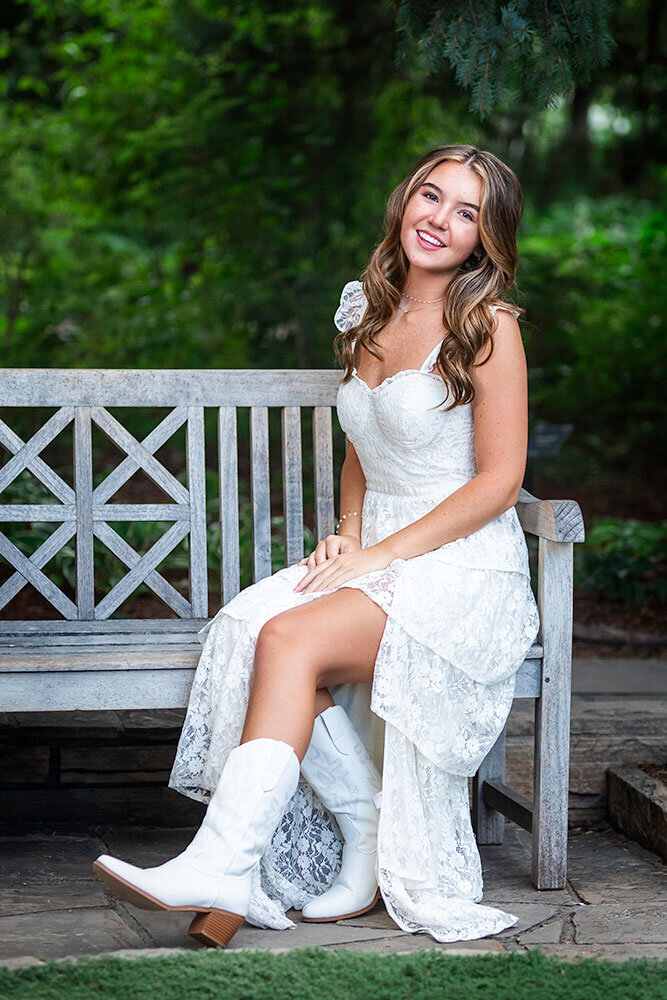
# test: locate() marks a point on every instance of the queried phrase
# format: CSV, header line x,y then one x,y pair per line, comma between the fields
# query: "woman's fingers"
x,y
315,579
326,550
312,560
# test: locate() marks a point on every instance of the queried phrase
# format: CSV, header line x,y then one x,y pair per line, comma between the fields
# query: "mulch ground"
x,y
658,771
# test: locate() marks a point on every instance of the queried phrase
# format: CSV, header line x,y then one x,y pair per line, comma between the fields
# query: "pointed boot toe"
x,y
127,882
336,904
213,875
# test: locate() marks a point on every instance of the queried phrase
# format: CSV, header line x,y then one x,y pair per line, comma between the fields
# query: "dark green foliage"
x,y
503,53
189,185
591,277
183,193
624,560
317,973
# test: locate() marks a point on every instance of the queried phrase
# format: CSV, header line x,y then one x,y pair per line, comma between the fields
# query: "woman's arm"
x,y
348,539
500,411
352,491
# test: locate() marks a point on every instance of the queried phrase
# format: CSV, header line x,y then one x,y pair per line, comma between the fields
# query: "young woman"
x,y
341,704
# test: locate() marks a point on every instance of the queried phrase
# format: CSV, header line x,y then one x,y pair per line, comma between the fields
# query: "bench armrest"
x,y
557,520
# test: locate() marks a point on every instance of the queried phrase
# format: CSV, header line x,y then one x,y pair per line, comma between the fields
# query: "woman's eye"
x,y
430,195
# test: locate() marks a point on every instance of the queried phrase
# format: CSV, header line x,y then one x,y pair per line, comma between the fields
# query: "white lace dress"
x,y
460,620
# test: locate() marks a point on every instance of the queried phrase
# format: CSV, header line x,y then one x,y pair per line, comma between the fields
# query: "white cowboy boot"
x,y
213,875
339,768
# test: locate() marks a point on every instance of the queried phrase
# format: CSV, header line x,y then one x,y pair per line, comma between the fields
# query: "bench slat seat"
x,y
57,662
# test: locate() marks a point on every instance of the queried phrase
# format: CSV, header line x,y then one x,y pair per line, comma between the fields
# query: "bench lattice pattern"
x,y
85,512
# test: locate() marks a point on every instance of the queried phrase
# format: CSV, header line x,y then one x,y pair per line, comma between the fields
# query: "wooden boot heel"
x,y
217,927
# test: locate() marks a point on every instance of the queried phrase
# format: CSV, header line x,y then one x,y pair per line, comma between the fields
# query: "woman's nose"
x,y
439,218
439,223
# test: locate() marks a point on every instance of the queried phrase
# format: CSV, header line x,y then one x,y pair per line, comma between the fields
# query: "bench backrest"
x,y
83,398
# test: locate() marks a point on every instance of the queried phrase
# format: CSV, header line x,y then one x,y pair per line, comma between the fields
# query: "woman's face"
x,y
440,226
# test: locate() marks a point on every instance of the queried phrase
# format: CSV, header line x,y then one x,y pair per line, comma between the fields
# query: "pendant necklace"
x,y
406,309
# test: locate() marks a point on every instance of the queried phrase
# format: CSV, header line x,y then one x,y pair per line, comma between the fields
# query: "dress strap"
x,y
432,358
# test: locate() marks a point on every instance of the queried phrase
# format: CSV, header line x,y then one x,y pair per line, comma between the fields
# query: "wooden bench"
x,y
90,661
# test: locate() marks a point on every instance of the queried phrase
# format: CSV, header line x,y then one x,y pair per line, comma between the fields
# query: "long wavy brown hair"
x,y
480,283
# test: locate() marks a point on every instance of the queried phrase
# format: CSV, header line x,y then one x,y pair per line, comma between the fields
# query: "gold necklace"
x,y
422,300
407,309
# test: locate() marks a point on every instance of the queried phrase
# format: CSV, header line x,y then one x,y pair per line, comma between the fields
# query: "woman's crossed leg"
x,y
332,640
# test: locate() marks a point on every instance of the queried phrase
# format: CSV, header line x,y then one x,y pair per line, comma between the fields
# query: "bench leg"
x,y
489,824
552,717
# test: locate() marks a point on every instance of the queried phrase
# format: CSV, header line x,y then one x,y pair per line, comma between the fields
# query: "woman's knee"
x,y
279,632
309,639
279,649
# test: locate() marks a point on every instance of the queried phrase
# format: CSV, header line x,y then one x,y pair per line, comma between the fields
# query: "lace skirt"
x,y
460,621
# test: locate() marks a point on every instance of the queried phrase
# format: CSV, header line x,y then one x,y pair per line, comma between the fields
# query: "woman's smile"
x,y
427,240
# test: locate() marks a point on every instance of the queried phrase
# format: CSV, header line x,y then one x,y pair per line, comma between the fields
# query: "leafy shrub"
x,y
624,560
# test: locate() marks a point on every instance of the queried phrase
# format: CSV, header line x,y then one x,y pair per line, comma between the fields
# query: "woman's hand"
x,y
329,547
338,569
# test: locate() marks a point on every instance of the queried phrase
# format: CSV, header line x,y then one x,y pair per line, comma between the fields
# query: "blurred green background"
x,y
189,185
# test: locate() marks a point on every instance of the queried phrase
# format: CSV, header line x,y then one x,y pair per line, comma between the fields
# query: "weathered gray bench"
x,y
89,661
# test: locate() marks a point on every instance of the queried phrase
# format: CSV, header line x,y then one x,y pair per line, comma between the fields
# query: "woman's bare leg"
x,y
331,640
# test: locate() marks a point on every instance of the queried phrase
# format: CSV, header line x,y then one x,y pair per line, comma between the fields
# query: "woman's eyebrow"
x,y
439,190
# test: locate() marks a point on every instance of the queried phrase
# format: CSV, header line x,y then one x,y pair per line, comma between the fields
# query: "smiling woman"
x,y
381,668
449,252
444,214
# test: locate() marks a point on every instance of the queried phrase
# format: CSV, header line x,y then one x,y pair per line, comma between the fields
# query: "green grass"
x,y
316,974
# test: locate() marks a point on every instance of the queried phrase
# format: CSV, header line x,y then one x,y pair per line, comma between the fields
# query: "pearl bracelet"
x,y
343,516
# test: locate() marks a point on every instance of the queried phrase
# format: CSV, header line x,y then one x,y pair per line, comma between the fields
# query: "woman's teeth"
x,y
429,239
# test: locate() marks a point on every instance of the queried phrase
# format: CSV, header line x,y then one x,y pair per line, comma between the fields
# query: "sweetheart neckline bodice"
x,y
350,312
424,370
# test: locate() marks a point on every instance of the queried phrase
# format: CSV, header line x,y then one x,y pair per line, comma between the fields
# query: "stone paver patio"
x,y
52,906
614,905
